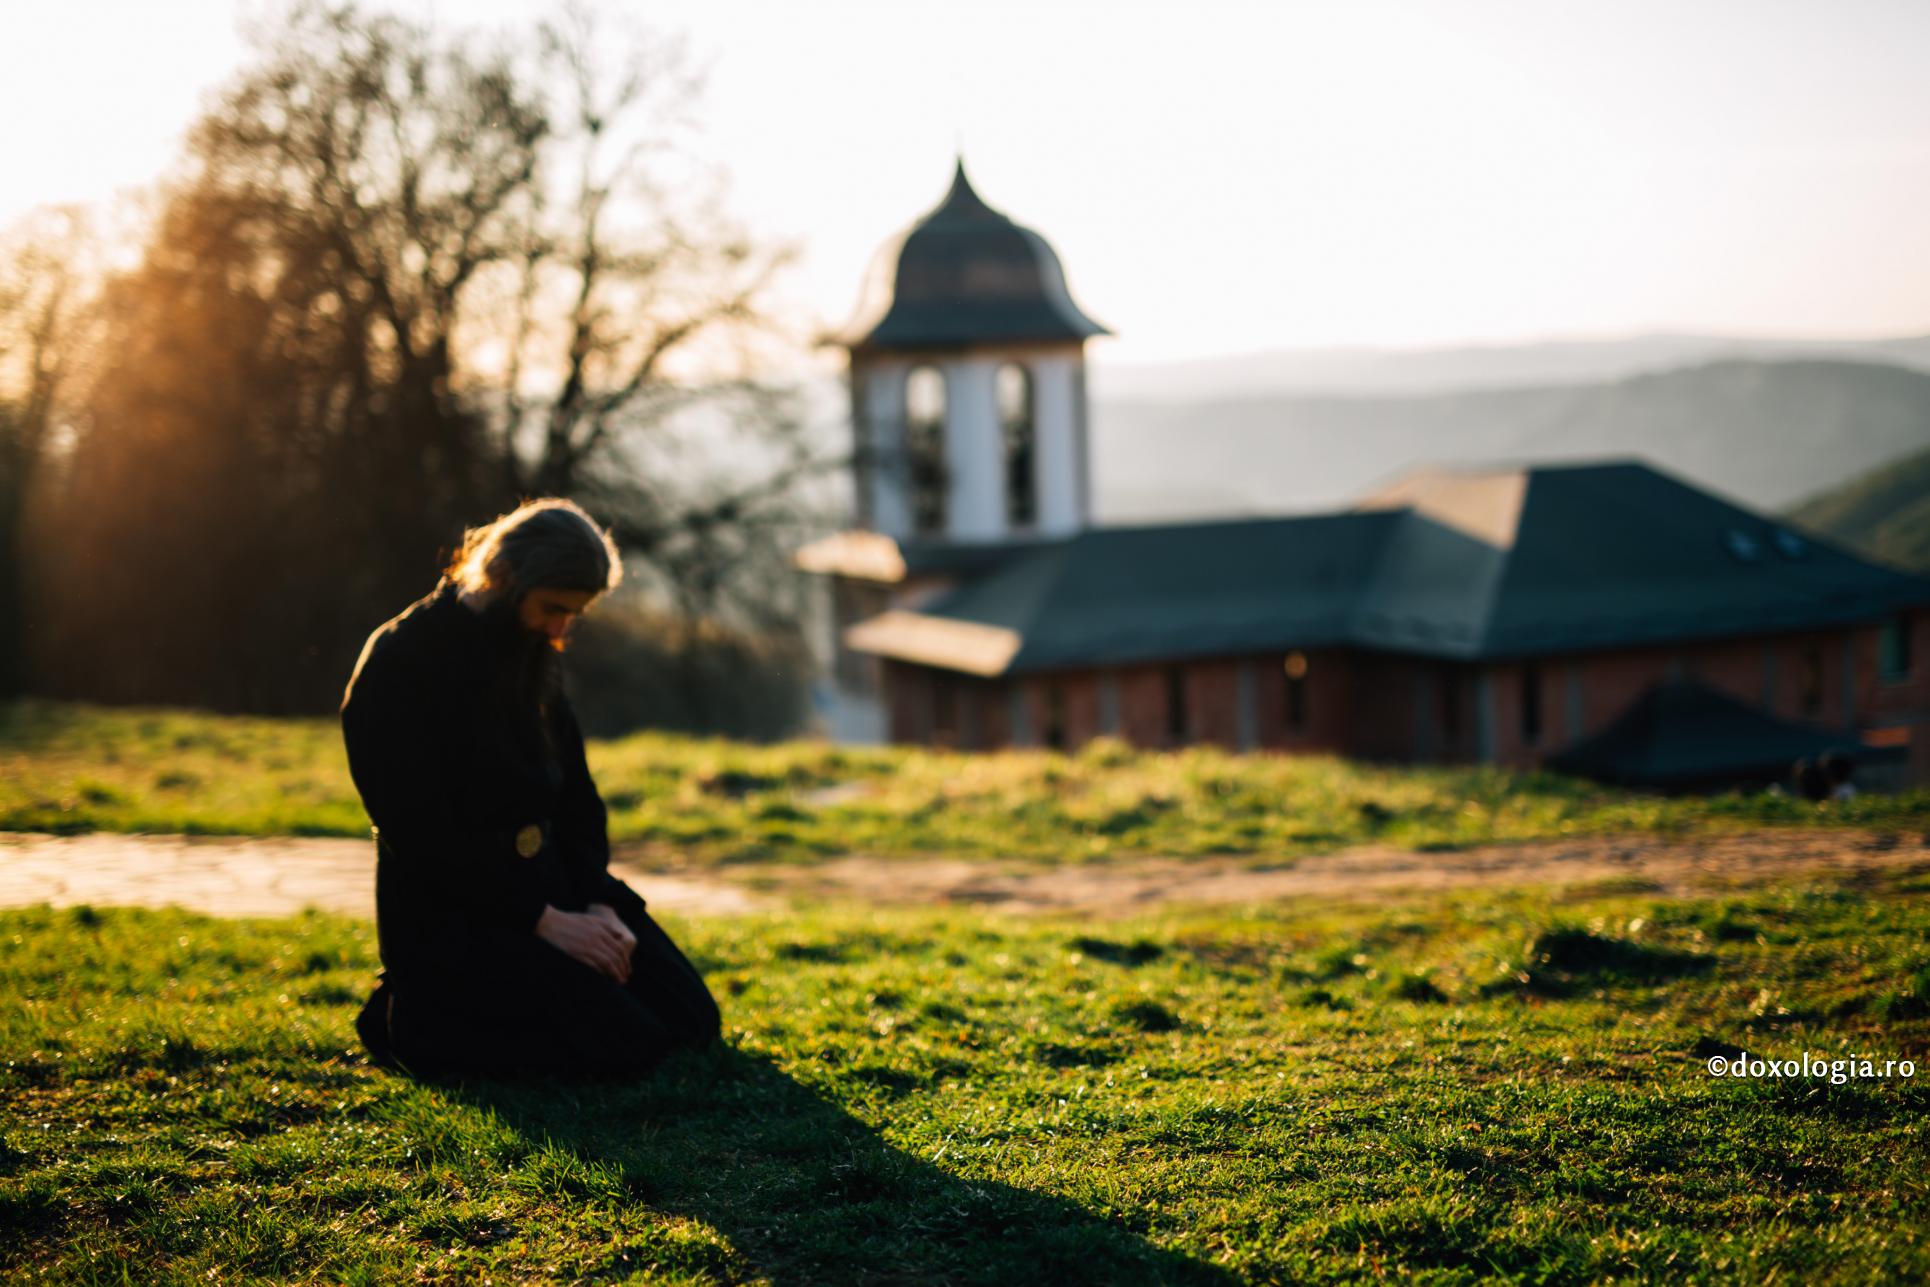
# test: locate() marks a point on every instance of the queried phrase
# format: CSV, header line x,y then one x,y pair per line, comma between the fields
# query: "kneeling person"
x,y
507,946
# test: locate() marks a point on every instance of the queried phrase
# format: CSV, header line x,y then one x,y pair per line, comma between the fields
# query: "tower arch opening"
x,y
1018,436
926,478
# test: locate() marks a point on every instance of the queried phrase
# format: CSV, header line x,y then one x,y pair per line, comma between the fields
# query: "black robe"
x,y
452,782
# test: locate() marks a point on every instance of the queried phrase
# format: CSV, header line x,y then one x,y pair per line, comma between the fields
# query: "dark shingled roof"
x,y
1628,552
1514,563
966,274
1682,733
932,556
1128,594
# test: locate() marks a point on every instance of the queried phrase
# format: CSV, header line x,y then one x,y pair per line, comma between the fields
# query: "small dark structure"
x,y
1682,735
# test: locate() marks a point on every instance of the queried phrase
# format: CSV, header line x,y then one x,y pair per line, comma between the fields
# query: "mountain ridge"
x,y
1767,433
1354,370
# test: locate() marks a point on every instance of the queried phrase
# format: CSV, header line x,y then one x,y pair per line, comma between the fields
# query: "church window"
x,y
944,718
1019,436
1054,731
925,474
1296,709
1176,721
1809,682
1530,703
1894,650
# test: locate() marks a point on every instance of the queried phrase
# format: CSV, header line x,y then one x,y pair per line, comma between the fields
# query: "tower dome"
x,y
966,274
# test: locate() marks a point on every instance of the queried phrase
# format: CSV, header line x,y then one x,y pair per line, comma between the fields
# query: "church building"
x,y
1605,618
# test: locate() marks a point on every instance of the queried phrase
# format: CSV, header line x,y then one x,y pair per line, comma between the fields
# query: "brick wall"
x,y
908,696
1390,707
1381,702
1142,705
1061,709
1326,702
1213,702
1898,708
1800,677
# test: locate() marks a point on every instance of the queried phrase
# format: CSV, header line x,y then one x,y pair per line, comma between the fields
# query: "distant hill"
x,y
1355,372
1884,513
1766,433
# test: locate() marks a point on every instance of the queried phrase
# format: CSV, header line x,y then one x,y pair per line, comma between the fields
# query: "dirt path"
x,y
1663,865
253,876
279,876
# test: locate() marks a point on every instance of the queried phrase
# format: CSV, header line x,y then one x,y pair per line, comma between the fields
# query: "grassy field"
x,y
77,768
1478,1087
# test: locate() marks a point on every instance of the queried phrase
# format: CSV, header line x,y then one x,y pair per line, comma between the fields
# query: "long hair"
x,y
550,543
547,544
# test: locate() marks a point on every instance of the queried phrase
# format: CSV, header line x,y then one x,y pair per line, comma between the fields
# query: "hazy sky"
x,y
1222,177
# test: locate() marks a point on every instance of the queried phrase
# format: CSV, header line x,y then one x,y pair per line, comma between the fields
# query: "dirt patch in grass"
x,y
1658,865
272,876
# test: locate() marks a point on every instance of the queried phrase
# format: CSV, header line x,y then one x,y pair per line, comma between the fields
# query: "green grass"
x,y
1484,1086
79,768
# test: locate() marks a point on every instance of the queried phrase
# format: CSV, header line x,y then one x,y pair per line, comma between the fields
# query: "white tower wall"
x,y
977,506
1059,455
882,429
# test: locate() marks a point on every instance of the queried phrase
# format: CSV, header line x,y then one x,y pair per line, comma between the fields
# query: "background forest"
x,y
399,280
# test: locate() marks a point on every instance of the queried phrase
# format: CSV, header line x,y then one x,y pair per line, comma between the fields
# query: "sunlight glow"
x,y
1223,177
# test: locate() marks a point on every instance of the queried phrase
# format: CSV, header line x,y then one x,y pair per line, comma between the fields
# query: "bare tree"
x,y
638,273
404,279
549,209
401,167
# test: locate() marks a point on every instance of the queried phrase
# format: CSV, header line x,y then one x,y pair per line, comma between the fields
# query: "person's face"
x,y
550,613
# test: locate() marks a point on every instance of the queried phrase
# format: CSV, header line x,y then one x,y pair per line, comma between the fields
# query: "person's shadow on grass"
x,y
807,1193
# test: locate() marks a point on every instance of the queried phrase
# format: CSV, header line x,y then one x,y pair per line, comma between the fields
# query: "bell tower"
x,y
968,383
968,406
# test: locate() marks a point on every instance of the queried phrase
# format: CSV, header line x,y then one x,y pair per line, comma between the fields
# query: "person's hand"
x,y
608,915
590,939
